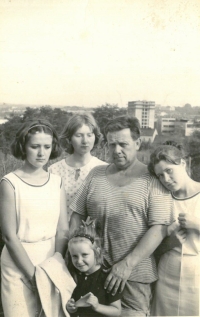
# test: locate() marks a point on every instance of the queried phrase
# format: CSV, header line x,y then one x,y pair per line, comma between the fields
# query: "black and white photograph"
x,y
99,158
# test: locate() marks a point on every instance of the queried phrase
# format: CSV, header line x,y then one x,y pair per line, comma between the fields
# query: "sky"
x,y
88,53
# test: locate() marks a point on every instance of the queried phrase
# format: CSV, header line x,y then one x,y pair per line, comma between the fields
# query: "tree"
x,y
106,112
8,130
192,146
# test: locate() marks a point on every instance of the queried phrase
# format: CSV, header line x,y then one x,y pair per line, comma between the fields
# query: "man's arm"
x,y
121,271
75,221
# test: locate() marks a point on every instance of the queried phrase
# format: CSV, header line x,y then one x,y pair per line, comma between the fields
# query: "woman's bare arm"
x,y
8,219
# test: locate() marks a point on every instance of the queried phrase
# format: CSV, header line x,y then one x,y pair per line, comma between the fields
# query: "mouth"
x,y
170,184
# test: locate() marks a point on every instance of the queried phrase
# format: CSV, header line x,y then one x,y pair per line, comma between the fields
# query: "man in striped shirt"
x,y
133,209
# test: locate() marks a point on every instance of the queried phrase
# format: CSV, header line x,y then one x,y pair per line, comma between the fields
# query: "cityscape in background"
x,y
154,119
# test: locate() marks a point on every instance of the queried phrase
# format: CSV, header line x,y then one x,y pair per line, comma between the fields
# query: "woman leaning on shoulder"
x,y
177,289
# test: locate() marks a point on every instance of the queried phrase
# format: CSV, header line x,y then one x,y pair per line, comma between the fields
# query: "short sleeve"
x,y
54,168
160,204
113,298
79,203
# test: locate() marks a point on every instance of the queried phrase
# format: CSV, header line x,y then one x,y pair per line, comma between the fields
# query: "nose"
x,y
166,177
79,260
117,148
41,151
84,139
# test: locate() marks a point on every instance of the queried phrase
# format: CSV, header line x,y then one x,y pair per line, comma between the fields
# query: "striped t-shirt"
x,y
125,214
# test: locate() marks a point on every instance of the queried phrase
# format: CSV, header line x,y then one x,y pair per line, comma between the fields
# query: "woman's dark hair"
x,y
30,128
73,124
124,122
170,151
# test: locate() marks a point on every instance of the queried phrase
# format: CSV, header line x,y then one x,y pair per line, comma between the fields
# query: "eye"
x,y
90,135
74,256
34,146
47,146
169,170
84,254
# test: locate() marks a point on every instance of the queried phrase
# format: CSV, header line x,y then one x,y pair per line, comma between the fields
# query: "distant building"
x,y
148,135
144,111
167,125
191,126
173,126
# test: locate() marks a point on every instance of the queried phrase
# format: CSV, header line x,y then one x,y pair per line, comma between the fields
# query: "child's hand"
x,y
93,301
71,307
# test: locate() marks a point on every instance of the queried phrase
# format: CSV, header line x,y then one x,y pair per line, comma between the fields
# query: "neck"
x,y
97,267
189,188
77,160
128,169
27,168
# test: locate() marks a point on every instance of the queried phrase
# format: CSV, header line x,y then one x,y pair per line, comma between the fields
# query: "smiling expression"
x,y
83,257
38,149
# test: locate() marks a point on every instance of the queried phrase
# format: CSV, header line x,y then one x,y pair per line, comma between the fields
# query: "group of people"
x,y
106,220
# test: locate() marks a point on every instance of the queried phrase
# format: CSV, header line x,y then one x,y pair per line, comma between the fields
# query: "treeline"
x,y
56,116
102,114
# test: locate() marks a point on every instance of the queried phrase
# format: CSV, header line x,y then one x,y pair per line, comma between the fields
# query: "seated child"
x,y
89,298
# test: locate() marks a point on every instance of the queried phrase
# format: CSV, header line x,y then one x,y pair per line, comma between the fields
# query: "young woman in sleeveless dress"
x,y
79,136
177,289
33,217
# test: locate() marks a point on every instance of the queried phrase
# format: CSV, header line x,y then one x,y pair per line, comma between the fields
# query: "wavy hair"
x,y
170,151
124,122
73,124
30,128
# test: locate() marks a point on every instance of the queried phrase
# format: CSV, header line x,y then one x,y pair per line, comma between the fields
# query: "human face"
x,y
122,148
83,257
171,175
38,149
83,140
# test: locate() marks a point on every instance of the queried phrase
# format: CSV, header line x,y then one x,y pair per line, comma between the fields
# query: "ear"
x,y
99,250
183,163
138,143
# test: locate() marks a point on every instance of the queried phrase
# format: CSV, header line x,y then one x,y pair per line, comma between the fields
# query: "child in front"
x,y
89,298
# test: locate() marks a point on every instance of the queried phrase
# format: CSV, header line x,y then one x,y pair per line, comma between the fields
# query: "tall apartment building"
x,y
144,111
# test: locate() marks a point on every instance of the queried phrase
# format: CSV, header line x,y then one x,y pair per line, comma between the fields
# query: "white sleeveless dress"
x,y
177,291
37,211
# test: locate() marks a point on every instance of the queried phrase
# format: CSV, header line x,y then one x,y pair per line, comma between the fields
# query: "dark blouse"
x,y
93,283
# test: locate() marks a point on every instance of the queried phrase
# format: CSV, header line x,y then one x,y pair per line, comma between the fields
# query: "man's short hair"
x,y
124,122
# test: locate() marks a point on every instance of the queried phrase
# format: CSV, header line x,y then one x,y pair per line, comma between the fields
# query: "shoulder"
x,y
98,170
56,179
8,183
57,165
95,161
9,178
156,187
